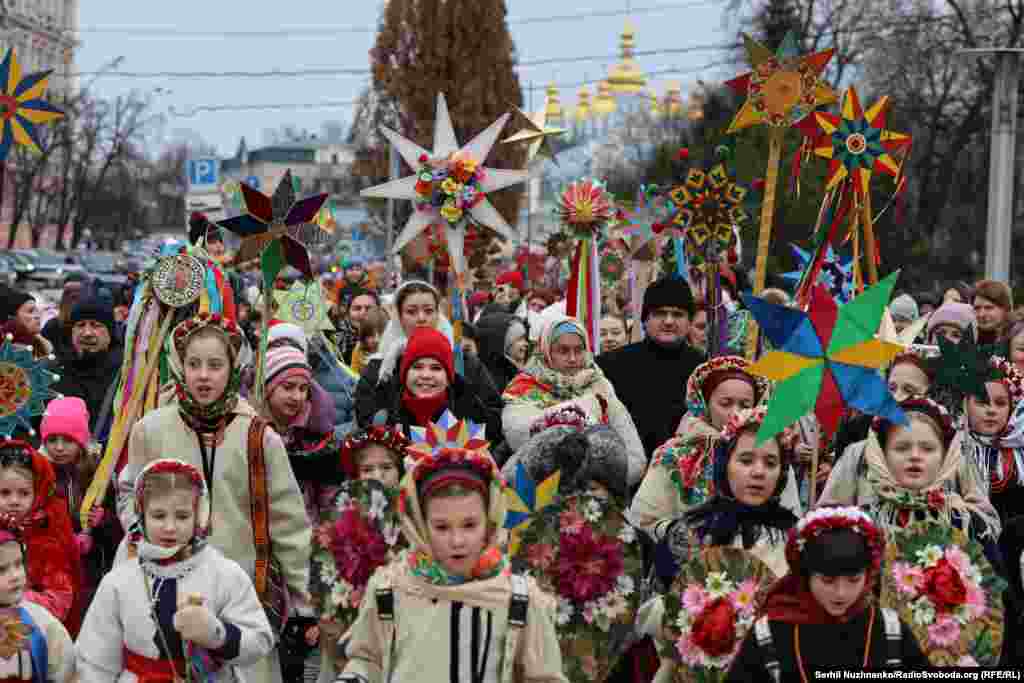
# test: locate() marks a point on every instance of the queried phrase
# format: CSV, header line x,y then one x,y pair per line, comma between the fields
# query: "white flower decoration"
x,y
565,612
628,534
378,504
929,556
625,584
592,511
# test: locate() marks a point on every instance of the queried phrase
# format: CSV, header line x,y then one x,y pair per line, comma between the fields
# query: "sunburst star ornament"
x,y
537,134
464,184
22,106
856,143
782,87
306,306
448,432
24,388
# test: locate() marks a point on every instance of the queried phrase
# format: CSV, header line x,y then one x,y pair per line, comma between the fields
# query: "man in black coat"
x,y
650,376
95,365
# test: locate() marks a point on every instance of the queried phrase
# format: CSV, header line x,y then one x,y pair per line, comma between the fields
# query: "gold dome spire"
x,y
604,103
695,107
673,99
553,109
625,78
583,104
656,109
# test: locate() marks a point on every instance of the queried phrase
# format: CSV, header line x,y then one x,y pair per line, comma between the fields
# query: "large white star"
x,y
445,145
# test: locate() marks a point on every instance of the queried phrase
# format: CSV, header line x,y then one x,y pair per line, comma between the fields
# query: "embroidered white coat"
x,y
120,617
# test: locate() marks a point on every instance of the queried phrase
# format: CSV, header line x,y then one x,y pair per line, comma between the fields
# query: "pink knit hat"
x,y
69,417
284,362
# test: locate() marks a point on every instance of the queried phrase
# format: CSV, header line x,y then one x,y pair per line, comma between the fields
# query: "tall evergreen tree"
x,y
773,20
462,48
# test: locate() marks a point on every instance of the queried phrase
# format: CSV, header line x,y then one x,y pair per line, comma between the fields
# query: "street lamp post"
x,y
998,238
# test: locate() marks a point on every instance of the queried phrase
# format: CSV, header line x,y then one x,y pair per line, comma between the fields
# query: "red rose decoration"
x,y
588,565
357,547
683,154
423,158
943,585
714,631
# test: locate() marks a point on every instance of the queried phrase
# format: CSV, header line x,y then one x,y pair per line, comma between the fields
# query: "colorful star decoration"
x,y
706,208
22,106
526,499
537,134
448,432
459,165
650,210
585,207
827,359
835,274
856,143
271,228
304,305
24,388
782,88
962,368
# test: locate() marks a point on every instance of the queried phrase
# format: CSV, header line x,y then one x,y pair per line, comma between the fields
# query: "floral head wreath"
x,y
743,420
696,404
821,520
388,436
1010,376
925,406
228,327
570,416
172,466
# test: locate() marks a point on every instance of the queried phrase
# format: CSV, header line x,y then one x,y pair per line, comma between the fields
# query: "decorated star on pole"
x,y
856,143
638,223
537,133
826,360
706,209
527,499
306,306
782,87
22,106
962,369
450,184
835,273
24,388
271,228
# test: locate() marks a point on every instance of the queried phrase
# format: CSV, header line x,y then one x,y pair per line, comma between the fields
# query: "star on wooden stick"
x,y
537,134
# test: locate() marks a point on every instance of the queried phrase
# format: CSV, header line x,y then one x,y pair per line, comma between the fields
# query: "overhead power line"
x,y
188,112
313,31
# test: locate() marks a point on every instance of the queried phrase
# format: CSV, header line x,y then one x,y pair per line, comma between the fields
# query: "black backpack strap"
x,y
893,638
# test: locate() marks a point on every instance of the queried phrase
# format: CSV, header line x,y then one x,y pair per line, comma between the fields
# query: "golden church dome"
x,y
625,78
604,103
553,109
583,104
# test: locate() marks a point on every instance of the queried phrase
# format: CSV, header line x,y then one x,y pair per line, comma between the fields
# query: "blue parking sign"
x,y
203,172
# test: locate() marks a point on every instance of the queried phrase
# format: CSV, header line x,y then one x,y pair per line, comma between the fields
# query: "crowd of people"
x,y
262,429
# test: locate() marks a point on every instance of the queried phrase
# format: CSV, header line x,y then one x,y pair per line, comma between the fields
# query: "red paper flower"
x,y
714,631
943,585
758,184
683,154
588,565
357,547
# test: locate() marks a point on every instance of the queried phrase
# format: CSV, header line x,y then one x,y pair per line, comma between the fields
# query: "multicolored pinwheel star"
x,y
446,152
827,359
272,226
448,432
526,499
835,274
22,106
783,87
856,143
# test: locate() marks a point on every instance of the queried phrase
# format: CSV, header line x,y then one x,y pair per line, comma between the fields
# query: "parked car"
x,y
21,265
102,265
51,268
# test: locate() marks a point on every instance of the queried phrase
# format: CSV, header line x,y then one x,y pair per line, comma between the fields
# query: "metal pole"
x,y
529,207
999,232
392,175
1000,188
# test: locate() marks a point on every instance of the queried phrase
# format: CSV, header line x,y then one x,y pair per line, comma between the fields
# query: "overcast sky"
x,y
675,24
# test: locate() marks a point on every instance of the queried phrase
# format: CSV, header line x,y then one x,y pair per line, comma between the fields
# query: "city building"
x,y
44,36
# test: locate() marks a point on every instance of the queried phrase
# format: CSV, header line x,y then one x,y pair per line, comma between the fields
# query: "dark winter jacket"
x,y
491,330
89,378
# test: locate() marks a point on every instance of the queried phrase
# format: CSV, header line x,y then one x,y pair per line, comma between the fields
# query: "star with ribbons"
x,y
649,210
304,305
22,106
962,368
456,164
782,87
826,360
24,388
526,499
835,275
448,432
856,143
537,134
705,209
272,228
